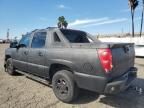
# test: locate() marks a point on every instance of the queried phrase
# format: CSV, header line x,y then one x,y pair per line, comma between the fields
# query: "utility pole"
x,y
8,34
142,18
122,32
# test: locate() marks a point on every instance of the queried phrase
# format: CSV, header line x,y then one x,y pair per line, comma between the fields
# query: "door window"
x,y
39,39
25,41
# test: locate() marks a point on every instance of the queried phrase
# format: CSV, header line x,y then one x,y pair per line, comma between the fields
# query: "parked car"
x,y
72,59
1,41
139,50
4,41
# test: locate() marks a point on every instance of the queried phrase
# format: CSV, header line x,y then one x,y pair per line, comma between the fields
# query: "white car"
x,y
139,50
1,41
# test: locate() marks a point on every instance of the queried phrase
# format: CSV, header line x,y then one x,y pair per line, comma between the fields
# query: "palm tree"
x,y
62,23
65,24
142,18
133,4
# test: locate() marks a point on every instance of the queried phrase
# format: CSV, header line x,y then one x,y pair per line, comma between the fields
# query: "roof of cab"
x,y
50,28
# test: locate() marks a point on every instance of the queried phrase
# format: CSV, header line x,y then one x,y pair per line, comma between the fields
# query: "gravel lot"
x,y
21,92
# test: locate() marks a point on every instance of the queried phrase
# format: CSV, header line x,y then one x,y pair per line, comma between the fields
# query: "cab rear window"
x,y
74,36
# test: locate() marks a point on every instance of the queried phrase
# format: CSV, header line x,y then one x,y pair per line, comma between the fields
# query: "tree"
x,y
133,4
142,18
65,24
62,23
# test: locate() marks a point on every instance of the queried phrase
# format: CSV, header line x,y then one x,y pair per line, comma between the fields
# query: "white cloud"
x,y
61,6
111,21
95,22
79,22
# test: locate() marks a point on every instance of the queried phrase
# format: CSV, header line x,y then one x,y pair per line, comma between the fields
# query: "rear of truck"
x,y
113,68
101,67
118,63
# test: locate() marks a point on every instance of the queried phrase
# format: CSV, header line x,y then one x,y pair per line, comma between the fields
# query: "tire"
x,y
10,67
64,87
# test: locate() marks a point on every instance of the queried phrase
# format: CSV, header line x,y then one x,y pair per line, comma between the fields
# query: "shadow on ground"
x,y
139,57
128,99
86,97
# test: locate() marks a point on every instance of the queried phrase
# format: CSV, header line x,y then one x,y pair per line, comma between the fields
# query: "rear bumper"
x,y
101,84
121,83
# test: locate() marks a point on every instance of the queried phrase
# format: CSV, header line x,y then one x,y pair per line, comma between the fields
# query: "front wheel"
x,y
10,67
64,86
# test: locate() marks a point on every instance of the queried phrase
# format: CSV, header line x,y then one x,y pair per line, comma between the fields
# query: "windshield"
x,y
74,36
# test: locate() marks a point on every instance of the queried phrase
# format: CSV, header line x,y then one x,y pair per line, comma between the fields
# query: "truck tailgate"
x,y
123,55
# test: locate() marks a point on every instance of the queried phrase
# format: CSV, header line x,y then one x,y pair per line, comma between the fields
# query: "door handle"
x,y
40,53
25,52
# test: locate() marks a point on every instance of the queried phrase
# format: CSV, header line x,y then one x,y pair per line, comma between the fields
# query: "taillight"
x,y
105,56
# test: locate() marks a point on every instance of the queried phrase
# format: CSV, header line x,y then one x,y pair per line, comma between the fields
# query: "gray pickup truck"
x,y
71,60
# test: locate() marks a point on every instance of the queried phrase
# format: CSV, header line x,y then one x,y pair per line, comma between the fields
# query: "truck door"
x,y
36,57
20,55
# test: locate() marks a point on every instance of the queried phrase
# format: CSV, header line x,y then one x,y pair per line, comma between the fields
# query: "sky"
x,y
93,16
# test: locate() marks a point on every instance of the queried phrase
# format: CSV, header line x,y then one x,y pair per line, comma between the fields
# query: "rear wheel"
x,y
64,86
10,67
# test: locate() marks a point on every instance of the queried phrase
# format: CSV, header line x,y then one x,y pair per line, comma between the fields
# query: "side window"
x,y
38,40
56,37
25,41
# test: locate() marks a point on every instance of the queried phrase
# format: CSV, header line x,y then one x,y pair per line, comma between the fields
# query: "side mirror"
x,y
14,44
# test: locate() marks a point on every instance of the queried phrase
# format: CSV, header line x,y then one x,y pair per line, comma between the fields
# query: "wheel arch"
x,y
55,67
6,58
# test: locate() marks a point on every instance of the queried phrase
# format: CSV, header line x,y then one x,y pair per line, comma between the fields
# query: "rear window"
x,y
74,36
